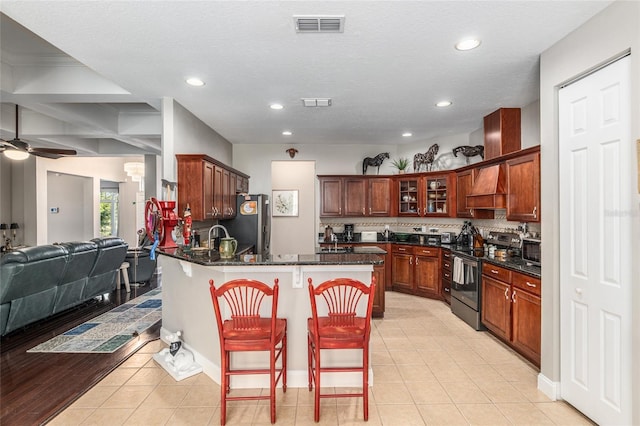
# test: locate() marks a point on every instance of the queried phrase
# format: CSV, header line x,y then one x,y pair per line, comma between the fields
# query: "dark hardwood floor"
x,y
34,387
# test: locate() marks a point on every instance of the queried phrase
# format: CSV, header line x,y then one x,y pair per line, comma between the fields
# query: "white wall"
x,y
605,36
294,234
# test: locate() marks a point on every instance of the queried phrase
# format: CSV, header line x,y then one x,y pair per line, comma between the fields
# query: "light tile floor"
x,y
430,368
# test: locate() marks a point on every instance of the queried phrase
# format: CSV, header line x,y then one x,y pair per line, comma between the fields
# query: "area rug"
x,y
111,330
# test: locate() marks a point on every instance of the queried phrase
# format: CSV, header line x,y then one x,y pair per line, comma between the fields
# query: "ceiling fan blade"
x,y
52,151
46,155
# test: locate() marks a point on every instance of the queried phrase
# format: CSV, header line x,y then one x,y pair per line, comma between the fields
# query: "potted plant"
x,y
401,164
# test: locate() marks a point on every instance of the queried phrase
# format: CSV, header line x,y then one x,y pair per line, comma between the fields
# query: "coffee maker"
x,y
348,232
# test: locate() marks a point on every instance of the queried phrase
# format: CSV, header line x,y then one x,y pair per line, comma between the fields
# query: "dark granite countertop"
x,y
210,258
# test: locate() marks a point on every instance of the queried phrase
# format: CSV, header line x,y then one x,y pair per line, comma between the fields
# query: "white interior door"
x,y
595,243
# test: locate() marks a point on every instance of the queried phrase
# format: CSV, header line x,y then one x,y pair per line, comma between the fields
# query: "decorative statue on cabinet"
x,y
425,159
469,151
375,161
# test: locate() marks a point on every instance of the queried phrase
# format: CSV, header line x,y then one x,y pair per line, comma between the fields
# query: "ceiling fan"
x,y
18,149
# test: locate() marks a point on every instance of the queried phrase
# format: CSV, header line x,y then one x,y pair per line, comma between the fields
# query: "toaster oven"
x,y
531,250
447,238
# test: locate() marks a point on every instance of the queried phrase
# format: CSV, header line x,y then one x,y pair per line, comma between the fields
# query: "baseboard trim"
x,y
549,387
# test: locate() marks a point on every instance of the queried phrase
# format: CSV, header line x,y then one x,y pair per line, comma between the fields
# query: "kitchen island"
x,y
187,306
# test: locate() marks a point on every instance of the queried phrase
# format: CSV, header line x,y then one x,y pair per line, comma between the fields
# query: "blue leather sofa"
x,y
37,282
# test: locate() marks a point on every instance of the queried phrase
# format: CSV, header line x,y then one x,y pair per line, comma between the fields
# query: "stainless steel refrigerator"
x,y
252,224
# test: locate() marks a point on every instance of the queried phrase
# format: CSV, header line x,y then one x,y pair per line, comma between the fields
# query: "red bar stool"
x,y
342,328
246,330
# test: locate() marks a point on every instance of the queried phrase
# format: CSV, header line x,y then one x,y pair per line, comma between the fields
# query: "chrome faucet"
x,y
226,234
334,238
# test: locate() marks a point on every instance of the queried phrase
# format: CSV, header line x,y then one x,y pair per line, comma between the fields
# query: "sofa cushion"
x,y
80,261
102,278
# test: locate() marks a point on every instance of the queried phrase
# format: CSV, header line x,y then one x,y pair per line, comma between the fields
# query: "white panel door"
x,y
595,243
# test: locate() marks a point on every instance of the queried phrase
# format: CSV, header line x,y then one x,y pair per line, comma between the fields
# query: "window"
x,y
108,209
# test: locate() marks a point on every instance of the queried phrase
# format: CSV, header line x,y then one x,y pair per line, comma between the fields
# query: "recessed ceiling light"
x,y
443,104
194,81
287,133
276,106
407,134
468,44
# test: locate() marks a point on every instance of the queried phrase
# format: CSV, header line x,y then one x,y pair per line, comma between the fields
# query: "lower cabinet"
x,y
416,270
378,299
511,309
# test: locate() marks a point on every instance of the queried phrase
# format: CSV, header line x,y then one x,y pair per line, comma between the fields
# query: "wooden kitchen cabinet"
x,y
416,270
464,183
378,298
427,272
426,195
351,196
202,185
447,268
511,309
502,133
523,188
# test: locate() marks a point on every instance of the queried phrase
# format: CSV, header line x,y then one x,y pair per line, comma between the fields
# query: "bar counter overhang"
x,y
187,307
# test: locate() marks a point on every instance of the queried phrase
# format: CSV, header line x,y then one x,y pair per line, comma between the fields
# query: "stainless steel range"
x,y
465,286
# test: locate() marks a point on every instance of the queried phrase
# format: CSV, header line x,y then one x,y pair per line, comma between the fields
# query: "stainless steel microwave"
x,y
531,250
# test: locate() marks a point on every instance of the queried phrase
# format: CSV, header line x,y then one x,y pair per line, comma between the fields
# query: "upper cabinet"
x,y
354,196
523,188
426,195
501,132
208,186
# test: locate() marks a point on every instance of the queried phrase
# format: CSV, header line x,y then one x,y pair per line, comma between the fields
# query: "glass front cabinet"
x,y
429,195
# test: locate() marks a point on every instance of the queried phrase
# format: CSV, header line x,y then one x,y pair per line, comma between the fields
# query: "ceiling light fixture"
x,y
443,104
194,81
407,134
276,106
468,44
287,133
15,154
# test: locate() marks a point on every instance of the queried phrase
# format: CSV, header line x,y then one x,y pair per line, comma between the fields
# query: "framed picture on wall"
x,y
285,203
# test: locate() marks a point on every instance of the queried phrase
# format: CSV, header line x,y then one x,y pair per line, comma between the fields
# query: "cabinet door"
x,y
523,188
496,306
331,197
402,272
526,317
355,197
436,195
231,194
218,192
427,276
379,197
409,197
378,298
207,185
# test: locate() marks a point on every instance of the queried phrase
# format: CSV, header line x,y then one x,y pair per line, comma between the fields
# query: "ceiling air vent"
x,y
319,24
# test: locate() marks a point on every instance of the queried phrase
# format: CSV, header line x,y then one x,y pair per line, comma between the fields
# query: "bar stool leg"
x,y
123,271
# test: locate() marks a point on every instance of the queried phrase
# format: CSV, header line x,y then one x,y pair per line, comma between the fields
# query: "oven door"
x,y
465,282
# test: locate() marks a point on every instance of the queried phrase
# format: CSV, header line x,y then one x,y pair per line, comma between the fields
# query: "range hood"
x,y
489,189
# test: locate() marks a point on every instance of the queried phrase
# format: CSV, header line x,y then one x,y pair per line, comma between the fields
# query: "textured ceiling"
x,y
384,73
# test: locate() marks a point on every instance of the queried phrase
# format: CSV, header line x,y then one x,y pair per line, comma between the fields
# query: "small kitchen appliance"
x,y
531,251
348,232
447,237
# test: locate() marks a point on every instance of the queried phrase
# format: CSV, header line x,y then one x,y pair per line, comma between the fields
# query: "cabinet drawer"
x,y
402,249
446,265
446,276
429,252
446,254
526,282
496,272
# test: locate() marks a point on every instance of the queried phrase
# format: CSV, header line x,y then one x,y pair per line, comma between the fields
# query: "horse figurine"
x,y
427,158
469,151
375,161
